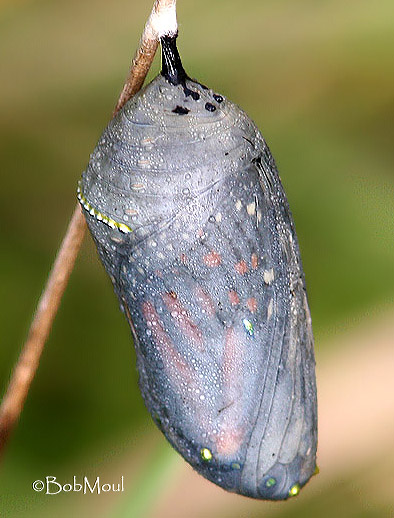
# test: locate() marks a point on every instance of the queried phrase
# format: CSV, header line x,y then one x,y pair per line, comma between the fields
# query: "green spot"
x,y
206,454
270,482
294,490
236,465
248,326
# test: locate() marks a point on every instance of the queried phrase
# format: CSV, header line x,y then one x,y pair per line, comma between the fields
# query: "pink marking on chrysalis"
x,y
241,267
254,260
205,301
232,432
230,356
182,375
212,259
173,361
251,304
182,318
231,440
233,297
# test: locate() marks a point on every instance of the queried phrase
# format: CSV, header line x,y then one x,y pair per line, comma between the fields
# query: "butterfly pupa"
x,y
184,202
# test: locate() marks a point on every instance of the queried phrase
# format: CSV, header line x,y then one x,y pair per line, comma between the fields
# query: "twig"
x,y
162,21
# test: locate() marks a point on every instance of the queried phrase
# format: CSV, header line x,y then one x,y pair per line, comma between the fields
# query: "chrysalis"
x,y
184,203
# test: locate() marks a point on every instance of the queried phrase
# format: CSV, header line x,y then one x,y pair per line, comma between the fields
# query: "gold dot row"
x,y
99,215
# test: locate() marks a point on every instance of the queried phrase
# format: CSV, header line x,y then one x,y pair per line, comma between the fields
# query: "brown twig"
x,y
161,21
145,53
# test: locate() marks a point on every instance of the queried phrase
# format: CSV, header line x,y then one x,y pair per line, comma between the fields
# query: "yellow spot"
x,y
123,228
238,205
206,454
294,490
317,470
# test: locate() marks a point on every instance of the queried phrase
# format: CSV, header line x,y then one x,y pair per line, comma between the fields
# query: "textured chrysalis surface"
x,y
185,205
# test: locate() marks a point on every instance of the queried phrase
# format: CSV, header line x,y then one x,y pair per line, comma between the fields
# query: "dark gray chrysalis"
x,y
184,202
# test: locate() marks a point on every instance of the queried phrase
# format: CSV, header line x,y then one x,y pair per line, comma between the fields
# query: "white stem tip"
x,y
163,19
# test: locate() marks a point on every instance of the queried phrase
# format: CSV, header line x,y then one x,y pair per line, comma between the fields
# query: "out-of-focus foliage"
x,y
318,79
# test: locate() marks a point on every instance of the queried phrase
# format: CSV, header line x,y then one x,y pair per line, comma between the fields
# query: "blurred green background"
x,y
317,77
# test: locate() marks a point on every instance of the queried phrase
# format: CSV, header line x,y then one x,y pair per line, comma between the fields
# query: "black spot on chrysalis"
x,y
180,110
210,107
